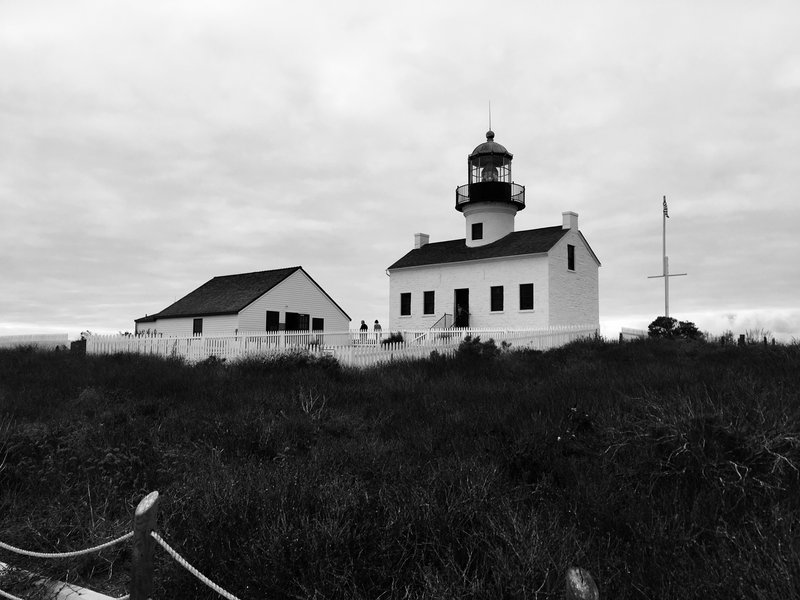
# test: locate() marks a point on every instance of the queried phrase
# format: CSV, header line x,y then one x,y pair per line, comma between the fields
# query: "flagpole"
x,y
665,259
666,286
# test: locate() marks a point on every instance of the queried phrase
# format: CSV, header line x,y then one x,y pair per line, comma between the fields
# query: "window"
x,y
317,324
405,304
197,327
477,231
273,320
526,296
570,257
428,304
496,298
297,322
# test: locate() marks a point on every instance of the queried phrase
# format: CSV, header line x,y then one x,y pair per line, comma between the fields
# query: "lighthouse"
x,y
490,199
496,276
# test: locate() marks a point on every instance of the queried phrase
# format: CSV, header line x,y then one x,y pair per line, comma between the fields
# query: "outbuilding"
x,y
276,300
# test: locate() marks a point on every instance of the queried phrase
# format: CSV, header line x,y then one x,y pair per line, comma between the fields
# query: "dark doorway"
x,y
273,320
461,307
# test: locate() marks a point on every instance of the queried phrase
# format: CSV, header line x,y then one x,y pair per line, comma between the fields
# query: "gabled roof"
x,y
229,294
517,243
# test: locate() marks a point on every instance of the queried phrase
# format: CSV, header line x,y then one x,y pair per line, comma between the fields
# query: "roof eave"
x,y
186,315
597,260
472,260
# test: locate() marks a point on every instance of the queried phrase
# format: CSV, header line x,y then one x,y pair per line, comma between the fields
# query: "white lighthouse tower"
x,y
490,199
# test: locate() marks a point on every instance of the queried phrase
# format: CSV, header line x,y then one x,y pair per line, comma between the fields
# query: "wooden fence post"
x,y
144,521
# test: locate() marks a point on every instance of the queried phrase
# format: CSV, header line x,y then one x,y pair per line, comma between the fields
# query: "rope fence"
x,y
144,541
185,564
579,583
54,555
16,550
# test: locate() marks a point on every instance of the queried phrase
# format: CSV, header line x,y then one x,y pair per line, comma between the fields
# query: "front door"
x,y
461,307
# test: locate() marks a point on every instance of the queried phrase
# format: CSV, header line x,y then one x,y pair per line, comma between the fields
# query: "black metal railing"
x,y
445,322
491,191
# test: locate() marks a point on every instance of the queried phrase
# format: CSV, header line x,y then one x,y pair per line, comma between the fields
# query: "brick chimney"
x,y
570,220
420,239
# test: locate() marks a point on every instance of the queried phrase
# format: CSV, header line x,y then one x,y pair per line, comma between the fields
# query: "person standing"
x,y
363,329
377,329
461,316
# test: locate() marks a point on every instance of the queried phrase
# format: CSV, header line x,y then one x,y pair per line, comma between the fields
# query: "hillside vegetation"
x,y
668,469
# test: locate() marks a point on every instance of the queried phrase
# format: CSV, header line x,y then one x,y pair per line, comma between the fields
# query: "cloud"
x,y
147,148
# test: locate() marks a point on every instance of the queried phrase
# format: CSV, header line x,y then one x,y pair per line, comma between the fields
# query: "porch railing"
x,y
445,322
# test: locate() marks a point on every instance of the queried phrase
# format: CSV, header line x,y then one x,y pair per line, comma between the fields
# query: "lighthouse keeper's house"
x,y
279,299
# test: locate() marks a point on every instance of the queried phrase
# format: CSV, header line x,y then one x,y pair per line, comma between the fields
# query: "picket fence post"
x,y
144,521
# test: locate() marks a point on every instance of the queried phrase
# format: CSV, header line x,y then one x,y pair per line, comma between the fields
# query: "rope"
x,y
13,597
65,554
182,561
9,596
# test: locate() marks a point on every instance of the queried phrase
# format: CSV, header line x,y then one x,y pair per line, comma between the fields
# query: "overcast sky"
x,y
146,147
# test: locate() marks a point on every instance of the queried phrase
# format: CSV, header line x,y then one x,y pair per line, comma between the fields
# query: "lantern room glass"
x,y
489,167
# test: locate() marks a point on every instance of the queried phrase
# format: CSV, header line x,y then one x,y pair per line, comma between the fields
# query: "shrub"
x,y
667,327
688,331
474,348
757,336
394,338
289,360
661,327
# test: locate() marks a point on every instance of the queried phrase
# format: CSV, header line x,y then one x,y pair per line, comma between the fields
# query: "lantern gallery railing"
x,y
491,191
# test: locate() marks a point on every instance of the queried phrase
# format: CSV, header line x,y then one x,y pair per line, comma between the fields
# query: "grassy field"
x,y
667,469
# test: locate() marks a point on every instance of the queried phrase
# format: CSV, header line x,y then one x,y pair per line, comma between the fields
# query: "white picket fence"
x,y
627,334
536,339
44,340
367,356
201,347
351,348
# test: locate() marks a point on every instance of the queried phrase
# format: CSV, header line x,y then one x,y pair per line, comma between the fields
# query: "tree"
x,y
667,327
688,331
662,327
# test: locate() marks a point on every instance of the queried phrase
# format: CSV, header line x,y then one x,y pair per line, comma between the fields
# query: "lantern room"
x,y
489,177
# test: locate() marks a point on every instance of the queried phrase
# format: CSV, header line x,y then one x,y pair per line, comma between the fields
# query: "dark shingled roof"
x,y
228,294
532,241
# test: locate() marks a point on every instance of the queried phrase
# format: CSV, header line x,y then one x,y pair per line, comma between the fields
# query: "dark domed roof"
x,y
490,147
